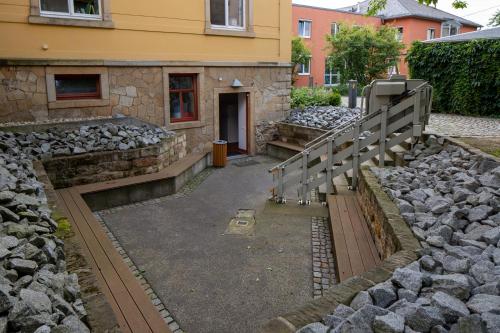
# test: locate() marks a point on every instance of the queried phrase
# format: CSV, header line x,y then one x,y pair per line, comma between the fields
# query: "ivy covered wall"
x,y
465,75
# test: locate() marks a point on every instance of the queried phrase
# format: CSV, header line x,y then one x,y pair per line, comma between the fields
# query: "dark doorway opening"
x,y
233,122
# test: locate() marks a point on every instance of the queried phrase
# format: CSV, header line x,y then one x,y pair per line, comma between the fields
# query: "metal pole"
x,y
353,93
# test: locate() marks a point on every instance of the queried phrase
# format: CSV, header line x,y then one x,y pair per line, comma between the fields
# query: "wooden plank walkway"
x,y
354,248
131,305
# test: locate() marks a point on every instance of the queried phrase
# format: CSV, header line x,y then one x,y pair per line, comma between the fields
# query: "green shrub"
x,y
304,97
465,75
343,89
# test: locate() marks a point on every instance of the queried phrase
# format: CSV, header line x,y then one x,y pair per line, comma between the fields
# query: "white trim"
x,y
449,25
308,67
301,33
429,37
226,18
71,12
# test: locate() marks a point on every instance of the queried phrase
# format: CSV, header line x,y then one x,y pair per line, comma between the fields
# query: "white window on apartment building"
x,y
335,28
305,69
305,28
228,14
332,76
399,34
431,33
450,28
85,9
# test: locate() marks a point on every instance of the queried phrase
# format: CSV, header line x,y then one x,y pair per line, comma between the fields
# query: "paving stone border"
x,y
322,256
404,252
167,316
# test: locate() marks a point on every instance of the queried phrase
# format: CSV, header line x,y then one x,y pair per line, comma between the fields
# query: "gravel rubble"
x,y
322,117
37,293
451,200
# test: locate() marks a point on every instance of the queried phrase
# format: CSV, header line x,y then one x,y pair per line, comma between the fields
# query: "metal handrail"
x,y
340,129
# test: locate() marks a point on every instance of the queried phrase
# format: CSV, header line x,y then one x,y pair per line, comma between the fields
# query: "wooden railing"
x,y
343,149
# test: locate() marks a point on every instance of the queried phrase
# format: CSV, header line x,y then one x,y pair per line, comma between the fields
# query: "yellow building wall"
x,y
148,30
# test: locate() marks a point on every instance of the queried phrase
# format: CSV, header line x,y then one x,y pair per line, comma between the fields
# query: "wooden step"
x,y
173,170
353,245
282,150
132,307
387,162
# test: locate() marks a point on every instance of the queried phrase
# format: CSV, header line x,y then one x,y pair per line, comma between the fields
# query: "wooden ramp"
x,y
132,307
354,248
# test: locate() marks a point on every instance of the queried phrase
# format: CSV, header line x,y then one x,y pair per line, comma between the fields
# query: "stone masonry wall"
x,y
139,92
67,171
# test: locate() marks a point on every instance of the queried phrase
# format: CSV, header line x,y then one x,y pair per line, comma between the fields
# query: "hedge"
x,y
304,97
465,75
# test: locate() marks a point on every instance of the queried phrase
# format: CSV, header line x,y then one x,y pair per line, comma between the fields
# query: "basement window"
x,y
183,97
77,86
83,9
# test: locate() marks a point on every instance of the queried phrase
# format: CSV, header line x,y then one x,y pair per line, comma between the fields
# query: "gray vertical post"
x,y
305,157
329,166
417,127
355,155
383,134
353,93
280,184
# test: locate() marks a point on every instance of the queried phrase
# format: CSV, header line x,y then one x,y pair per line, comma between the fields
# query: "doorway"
x,y
233,122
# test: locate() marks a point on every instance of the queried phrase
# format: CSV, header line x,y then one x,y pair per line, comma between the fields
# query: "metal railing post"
x,y
280,184
305,177
383,134
417,127
329,165
355,155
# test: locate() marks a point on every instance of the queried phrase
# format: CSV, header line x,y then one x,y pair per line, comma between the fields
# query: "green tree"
x,y
495,19
364,53
300,55
377,5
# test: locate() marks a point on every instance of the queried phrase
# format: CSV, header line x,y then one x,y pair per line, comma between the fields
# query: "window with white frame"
x,y
450,29
305,28
87,9
399,34
332,76
305,69
431,33
227,14
335,28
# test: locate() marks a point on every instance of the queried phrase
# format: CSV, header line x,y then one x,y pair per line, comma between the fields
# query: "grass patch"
x,y
488,145
63,225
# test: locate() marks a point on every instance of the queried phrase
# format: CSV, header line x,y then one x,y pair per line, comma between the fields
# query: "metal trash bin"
x,y
220,153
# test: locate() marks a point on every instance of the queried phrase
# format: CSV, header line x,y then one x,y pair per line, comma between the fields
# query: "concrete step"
x,y
282,150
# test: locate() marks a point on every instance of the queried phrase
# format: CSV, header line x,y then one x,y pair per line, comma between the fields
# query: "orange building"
x,y
413,20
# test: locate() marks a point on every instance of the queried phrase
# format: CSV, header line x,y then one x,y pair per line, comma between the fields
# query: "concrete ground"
x,y
216,282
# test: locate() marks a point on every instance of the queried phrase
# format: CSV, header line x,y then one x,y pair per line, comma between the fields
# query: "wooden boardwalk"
x,y
354,248
132,307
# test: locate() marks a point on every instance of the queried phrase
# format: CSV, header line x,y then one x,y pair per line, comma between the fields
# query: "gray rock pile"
x,y
323,117
451,200
85,139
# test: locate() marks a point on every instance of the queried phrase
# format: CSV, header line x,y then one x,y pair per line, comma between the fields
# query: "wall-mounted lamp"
x,y
236,84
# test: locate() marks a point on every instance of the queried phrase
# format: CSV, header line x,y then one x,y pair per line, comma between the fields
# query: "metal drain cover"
x,y
242,224
245,162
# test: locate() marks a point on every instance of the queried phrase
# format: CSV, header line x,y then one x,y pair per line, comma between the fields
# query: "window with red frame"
x,y
78,86
183,97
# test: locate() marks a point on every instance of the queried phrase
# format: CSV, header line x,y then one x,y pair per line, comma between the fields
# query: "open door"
x,y
233,122
242,122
